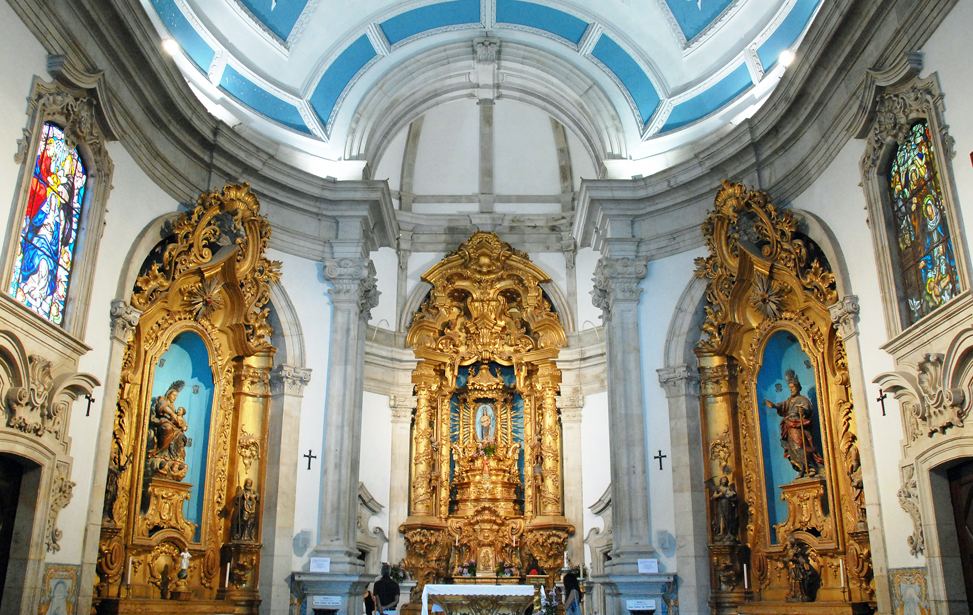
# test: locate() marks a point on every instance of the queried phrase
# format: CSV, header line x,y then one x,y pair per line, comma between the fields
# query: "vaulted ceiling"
x,y
633,79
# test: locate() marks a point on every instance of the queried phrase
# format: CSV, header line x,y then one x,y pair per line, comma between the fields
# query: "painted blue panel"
x,y
708,101
430,17
188,360
609,53
787,32
262,101
278,15
541,17
339,74
694,15
783,352
185,34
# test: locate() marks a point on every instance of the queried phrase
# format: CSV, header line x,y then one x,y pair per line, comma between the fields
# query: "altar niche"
x,y
186,469
486,486
787,509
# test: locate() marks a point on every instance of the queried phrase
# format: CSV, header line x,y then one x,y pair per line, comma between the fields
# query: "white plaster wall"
x,y
419,263
554,266
584,267
657,304
390,166
525,156
448,156
582,166
375,467
837,198
386,272
595,462
304,282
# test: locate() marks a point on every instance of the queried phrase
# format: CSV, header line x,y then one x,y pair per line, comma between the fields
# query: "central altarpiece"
x,y
486,477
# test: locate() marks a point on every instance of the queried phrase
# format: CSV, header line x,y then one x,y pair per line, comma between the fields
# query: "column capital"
x,y
124,318
617,281
354,282
289,380
844,316
402,405
679,380
571,406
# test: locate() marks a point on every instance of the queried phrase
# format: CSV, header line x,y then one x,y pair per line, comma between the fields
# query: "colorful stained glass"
x,y
927,263
50,227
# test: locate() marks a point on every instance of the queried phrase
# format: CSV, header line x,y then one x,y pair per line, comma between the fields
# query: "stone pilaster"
x,y
286,392
573,498
402,276
353,295
616,291
681,384
124,319
401,405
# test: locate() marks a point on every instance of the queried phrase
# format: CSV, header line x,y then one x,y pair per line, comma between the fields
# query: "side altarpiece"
x,y
182,508
486,476
788,531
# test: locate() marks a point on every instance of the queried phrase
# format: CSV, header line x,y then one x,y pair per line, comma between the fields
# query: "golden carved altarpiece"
x,y
486,309
763,277
209,277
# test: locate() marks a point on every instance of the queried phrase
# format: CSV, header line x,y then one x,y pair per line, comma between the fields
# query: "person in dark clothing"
x,y
386,591
369,602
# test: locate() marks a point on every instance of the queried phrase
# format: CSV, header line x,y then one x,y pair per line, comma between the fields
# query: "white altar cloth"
x,y
473,590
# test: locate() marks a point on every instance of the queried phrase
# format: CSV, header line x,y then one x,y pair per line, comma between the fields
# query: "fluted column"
x,y
401,405
617,293
277,535
573,496
352,297
681,384
124,318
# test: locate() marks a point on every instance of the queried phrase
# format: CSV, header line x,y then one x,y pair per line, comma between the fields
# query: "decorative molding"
x,y
679,381
844,316
124,319
909,501
289,380
61,493
353,281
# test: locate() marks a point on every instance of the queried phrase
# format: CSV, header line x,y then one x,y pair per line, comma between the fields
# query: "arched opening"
x,y
20,481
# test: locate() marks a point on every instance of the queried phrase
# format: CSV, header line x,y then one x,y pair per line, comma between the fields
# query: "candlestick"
x,y
128,574
746,579
457,540
565,559
841,563
226,583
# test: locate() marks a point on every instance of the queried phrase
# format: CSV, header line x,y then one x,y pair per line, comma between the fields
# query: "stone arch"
x,y
288,337
684,329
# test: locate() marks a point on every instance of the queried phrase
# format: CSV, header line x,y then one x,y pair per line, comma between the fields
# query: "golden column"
x,y
548,382
426,381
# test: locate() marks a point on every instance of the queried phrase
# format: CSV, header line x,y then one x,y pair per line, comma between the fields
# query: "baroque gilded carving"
x,y
209,276
486,393
765,279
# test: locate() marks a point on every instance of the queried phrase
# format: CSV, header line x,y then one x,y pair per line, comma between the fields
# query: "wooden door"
x,y
961,490
10,474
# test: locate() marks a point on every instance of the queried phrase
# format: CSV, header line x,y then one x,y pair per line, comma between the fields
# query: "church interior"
x,y
669,299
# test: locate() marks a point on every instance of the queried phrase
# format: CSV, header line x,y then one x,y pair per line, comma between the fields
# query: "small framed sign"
x,y
648,566
326,602
320,564
640,605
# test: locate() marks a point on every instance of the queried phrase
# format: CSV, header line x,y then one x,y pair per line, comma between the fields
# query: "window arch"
x,y
55,228
907,178
49,226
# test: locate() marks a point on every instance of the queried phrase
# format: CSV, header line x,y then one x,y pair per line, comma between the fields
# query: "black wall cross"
x,y
309,457
881,399
91,400
660,457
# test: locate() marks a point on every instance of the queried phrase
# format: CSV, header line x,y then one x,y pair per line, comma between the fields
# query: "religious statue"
x,y
243,525
804,578
167,434
485,431
795,429
726,521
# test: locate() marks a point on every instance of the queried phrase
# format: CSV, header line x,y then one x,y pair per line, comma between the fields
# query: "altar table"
x,y
473,590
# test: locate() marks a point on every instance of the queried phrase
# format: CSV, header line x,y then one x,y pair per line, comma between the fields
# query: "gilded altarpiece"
x,y
486,475
788,531
182,507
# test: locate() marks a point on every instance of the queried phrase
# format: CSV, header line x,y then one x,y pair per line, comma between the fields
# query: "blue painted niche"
x,y
782,352
187,359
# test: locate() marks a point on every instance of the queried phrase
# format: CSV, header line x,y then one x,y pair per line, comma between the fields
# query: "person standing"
x,y
369,602
572,594
387,592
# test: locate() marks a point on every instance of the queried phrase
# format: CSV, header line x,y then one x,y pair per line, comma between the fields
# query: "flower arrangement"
x,y
505,570
549,604
398,573
485,450
466,570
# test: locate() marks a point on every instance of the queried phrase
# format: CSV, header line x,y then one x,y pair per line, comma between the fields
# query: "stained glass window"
x,y
49,228
927,263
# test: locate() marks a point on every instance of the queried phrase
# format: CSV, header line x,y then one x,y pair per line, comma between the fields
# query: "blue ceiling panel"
x,y
278,15
430,17
188,38
609,53
541,17
334,81
694,15
709,100
262,101
787,32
